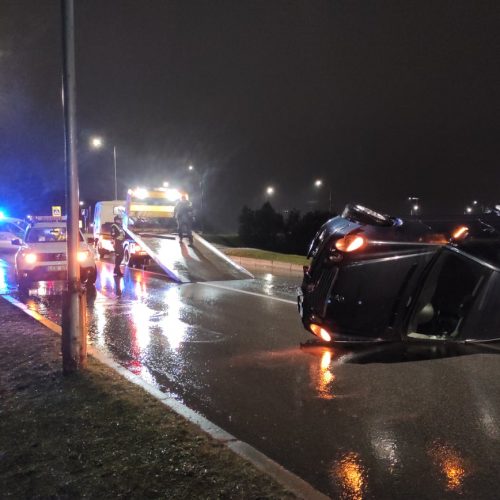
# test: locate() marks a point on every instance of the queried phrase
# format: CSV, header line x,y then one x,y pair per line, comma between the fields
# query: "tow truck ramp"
x,y
186,264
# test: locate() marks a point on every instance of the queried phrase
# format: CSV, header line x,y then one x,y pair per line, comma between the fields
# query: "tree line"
x,y
269,230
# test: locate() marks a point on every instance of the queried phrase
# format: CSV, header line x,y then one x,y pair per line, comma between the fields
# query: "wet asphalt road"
x,y
386,422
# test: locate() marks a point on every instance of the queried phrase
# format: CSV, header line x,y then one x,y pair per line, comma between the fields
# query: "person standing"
x,y
183,213
118,235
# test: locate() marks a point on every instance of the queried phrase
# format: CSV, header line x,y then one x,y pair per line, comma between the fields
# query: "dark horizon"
x,y
381,101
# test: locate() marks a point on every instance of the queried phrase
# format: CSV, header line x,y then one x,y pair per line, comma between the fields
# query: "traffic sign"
x,y
56,211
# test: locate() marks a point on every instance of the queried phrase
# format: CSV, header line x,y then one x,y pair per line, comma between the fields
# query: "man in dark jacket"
x,y
183,213
118,235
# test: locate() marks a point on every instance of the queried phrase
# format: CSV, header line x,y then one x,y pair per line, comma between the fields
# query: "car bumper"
x,y
50,273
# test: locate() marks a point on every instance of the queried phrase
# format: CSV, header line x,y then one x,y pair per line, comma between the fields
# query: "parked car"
x,y
374,278
10,229
104,214
42,254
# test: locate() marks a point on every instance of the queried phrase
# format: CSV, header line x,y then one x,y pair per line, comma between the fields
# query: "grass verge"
x,y
95,435
254,253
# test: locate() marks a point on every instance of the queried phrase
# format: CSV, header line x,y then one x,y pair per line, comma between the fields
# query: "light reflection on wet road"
x,y
384,422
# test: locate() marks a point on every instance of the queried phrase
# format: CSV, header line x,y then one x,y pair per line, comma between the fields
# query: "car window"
x,y
450,290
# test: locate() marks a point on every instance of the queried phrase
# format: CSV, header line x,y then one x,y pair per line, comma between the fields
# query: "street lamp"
x,y
414,207
97,143
269,191
318,183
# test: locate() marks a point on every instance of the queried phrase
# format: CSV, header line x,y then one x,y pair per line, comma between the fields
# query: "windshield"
x,y
47,235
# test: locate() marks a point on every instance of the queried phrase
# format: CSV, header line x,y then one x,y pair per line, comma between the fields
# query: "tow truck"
x,y
151,229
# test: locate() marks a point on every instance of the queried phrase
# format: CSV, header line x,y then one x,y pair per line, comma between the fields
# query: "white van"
x,y
104,214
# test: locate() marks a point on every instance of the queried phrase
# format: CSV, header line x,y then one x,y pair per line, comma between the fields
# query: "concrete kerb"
x,y
273,264
290,481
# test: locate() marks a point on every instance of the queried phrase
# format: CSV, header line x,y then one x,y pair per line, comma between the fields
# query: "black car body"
x,y
378,278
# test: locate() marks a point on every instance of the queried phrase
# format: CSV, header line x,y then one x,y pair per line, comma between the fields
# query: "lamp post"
x,y
318,184
414,206
97,143
201,183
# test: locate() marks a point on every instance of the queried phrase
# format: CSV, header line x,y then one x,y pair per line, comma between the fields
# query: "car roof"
x,y
48,224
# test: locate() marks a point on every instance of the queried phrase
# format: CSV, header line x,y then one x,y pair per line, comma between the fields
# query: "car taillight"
x,y
350,243
81,256
320,332
30,258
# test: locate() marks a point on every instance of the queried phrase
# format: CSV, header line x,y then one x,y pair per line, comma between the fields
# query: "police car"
x,y
42,254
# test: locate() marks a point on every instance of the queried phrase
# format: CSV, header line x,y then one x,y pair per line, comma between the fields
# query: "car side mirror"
x,y
17,242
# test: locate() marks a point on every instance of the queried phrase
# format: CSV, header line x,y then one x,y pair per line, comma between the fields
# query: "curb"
x,y
273,264
287,479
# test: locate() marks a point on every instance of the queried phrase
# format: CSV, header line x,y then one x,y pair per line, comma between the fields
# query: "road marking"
x,y
286,301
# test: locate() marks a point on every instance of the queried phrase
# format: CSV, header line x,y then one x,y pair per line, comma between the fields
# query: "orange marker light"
x,y
320,332
350,243
460,232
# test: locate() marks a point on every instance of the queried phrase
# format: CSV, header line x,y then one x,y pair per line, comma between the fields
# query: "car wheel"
x,y
127,260
23,284
365,215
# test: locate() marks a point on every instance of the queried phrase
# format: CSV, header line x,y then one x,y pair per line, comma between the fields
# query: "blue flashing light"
x,y
2,215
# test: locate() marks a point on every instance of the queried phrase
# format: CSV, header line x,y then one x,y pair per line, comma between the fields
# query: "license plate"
x,y
56,268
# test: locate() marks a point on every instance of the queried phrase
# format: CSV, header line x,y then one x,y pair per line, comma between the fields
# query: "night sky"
x,y
380,99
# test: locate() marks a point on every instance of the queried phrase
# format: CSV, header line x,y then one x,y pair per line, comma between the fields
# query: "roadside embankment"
x,y
95,435
253,257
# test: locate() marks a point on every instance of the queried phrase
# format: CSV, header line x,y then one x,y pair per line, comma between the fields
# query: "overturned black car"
x,y
374,278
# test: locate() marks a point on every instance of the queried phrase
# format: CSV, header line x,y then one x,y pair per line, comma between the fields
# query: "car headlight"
x,y
81,256
30,258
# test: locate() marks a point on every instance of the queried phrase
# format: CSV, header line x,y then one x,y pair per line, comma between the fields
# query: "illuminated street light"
x,y
414,207
318,183
166,184
190,168
468,210
97,142
270,191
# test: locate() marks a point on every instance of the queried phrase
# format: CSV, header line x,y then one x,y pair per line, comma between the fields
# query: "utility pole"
x,y
74,331
114,162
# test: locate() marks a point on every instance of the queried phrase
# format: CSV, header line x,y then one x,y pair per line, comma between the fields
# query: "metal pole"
x,y
114,161
74,338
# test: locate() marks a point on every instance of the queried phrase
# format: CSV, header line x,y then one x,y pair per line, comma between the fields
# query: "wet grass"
x,y
95,435
228,240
